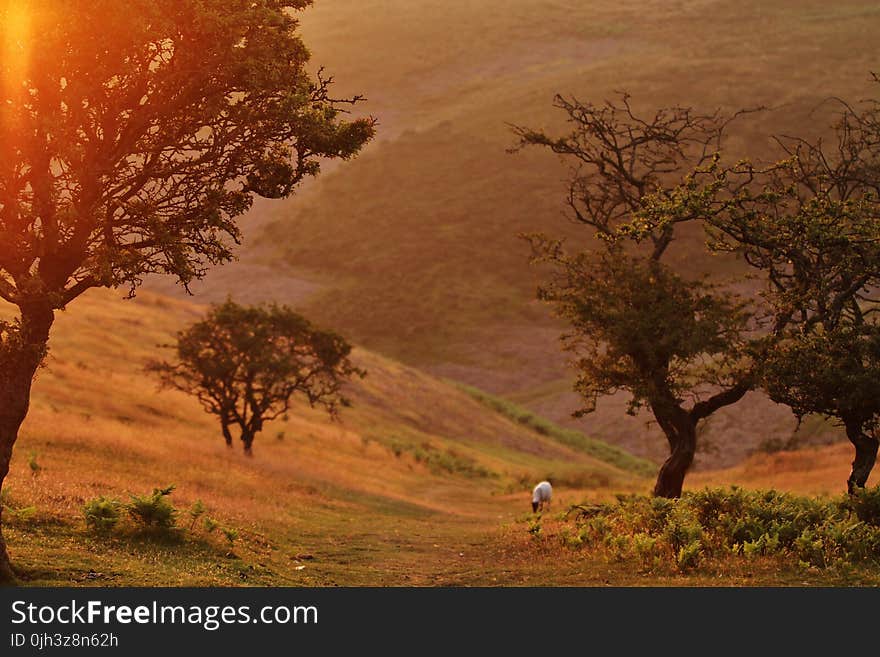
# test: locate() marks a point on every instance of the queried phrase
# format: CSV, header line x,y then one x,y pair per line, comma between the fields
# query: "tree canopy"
x,y
245,364
132,150
132,137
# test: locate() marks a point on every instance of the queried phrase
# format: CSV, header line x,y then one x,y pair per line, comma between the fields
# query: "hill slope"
x,y
412,248
414,456
421,484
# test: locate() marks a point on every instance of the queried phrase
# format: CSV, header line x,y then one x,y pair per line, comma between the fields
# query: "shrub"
x,y
34,466
865,503
102,514
230,535
688,556
645,546
153,511
24,513
196,511
535,528
439,460
733,523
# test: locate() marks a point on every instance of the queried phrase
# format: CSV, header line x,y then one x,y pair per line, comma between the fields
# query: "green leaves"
x,y
102,514
636,324
722,528
153,511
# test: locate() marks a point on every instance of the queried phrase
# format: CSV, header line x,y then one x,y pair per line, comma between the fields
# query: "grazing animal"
x,y
541,495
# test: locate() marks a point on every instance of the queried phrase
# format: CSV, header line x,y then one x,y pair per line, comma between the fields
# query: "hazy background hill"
x,y
411,250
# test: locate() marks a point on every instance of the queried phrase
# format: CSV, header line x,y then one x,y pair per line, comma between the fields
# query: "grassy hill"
x,y
414,456
412,248
422,483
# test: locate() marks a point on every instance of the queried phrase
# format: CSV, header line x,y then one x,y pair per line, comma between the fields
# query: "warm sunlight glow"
x,y
15,41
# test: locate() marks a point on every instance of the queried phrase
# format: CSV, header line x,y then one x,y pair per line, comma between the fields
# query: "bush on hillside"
x,y
153,511
102,514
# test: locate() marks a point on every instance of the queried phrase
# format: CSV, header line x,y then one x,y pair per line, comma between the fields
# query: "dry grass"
x,y
330,503
812,471
336,491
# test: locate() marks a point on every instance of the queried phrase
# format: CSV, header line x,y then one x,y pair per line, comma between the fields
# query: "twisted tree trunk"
x,y
250,429
681,433
866,453
680,427
247,437
21,352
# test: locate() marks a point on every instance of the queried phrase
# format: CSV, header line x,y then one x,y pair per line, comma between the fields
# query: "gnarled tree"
x,y
130,141
245,364
677,346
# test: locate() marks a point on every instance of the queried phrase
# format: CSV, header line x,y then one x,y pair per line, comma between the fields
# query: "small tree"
x,y
677,346
131,138
245,364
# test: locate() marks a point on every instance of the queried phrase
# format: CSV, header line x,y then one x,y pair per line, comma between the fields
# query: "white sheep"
x,y
541,495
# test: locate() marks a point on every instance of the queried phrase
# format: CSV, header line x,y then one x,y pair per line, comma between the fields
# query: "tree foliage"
x,y
245,365
133,151
639,327
132,136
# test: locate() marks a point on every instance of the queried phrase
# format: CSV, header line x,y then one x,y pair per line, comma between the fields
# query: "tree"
x,y
677,346
130,141
244,365
810,225
835,373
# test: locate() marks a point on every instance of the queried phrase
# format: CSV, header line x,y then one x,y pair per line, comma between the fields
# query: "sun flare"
x,y
15,23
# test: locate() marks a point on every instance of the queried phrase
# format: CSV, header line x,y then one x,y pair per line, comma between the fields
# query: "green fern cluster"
x,y
717,524
153,512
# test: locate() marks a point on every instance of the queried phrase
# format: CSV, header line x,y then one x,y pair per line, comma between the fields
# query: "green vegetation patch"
x,y
731,528
569,437
439,460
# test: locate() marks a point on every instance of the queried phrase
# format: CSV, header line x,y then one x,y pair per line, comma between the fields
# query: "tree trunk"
x,y
247,437
7,577
866,454
681,432
21,352
227,435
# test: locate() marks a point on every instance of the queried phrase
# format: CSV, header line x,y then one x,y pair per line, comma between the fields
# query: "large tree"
x,y
676,345
245,364
131,138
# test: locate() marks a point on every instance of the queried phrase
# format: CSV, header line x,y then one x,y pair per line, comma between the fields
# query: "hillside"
x,y
422,483
413,457
412,249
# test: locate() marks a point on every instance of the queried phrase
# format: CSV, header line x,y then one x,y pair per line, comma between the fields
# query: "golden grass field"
x,y
327,504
